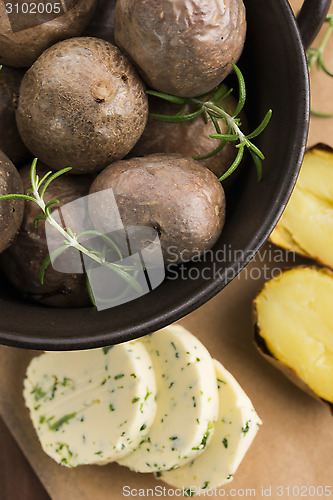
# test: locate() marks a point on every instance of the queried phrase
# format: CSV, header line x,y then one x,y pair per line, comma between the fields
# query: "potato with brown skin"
x,y
102,23
10,141
81,105
189,138
182,47
22,261
24,36
174,194
11,211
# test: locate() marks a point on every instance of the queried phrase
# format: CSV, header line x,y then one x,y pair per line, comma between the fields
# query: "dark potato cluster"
x,y
81,104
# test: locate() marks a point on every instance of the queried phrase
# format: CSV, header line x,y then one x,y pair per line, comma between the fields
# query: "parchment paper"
x,y
294,447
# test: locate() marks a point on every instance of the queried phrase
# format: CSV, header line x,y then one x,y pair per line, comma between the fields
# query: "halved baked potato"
x,y
294,327
306,226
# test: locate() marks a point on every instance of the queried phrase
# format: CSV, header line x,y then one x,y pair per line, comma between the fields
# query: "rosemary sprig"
x,y
36,195
212,109
315,58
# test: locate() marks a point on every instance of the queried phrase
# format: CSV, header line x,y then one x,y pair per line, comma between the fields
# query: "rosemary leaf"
x,y
48,261
256,150
177,118
44,179
242,91
17,197
235,164
37,219
213,153
166,97
52,178
221,93
258,164
227,137
262,125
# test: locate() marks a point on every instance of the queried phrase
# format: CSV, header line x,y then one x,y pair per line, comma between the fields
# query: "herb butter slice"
x,y
187,401
234,432
91,407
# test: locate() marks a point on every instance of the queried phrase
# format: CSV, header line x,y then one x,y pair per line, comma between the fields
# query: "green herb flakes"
x,y
147,395
38,393
106,349
63,420
246,428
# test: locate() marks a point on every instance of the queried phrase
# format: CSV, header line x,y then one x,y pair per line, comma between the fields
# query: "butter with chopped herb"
x,y
187,401
90,407
234,431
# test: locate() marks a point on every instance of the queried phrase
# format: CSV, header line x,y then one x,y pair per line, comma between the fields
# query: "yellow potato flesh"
x,y
296,321
306,225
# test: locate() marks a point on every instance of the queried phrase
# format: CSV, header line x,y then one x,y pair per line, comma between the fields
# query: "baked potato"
x,y
81,105
294,328
306,226
174,194
11,211
24,35
23,260
182,47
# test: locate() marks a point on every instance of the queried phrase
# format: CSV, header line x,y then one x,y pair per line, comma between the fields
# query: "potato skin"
x,y
174,194
182,47
287,371
22,48
102,23
10,141
81,105
189,138
11,211
22,261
